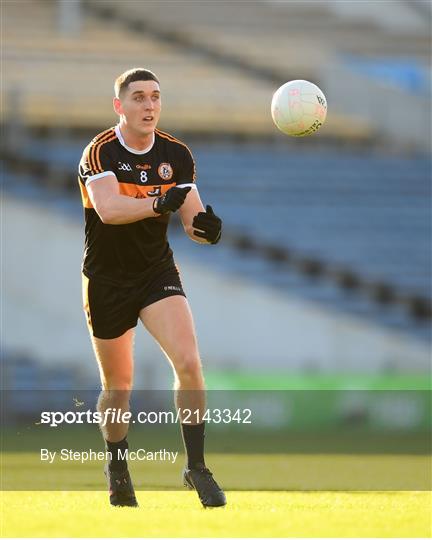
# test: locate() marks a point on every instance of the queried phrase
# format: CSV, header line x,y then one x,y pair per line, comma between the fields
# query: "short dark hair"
x,y
132,75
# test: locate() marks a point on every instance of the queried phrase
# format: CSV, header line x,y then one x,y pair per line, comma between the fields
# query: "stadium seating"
x,y
369,212
279,41
55,79
289,36
364,213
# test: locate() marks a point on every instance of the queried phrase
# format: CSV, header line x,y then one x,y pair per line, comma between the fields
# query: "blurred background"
x,y
323,276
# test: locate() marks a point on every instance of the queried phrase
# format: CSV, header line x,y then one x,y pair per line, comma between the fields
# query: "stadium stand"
x,y
61,66
350,232
279,41
291,37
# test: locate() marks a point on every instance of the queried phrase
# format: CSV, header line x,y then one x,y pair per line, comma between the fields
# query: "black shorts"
x,y
111,310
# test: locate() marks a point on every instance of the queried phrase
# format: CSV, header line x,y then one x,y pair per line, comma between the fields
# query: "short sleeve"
x,y
188,169
95,163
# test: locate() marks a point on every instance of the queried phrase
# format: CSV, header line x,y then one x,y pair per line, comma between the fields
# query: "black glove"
x,y
209,225
171,200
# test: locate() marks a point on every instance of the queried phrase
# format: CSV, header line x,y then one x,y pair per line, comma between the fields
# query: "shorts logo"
x,y
172,288
165,171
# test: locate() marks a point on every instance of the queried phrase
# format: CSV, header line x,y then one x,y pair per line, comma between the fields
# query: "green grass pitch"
x,y
250,514
258,504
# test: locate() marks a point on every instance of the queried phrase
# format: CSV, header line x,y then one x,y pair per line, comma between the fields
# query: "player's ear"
x,y
117,106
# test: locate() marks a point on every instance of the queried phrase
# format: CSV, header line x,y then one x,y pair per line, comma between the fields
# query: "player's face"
x,y
140,106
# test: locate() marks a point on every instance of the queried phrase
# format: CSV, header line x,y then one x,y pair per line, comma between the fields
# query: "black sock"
x,y
118,458
193,438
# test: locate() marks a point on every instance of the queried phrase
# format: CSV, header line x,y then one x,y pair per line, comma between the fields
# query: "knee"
x,y
188,368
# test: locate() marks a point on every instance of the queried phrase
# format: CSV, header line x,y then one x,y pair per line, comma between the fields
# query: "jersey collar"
x,y
122,142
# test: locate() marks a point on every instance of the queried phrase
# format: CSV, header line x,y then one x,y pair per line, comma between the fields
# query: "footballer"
x,y
132,177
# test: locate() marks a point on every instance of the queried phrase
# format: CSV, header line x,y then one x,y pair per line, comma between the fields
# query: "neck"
x,y
131,139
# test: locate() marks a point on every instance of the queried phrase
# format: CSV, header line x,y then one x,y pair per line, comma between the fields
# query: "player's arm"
x,y
116,209
200,225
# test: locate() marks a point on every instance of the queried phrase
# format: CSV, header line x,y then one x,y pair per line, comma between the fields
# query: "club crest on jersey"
x,y
165,171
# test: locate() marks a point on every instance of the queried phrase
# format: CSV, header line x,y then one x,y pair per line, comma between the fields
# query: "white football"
x,y
299,108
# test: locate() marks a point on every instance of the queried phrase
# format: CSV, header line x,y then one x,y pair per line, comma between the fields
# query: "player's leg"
x,y
111,318
170,322
111,322
115,361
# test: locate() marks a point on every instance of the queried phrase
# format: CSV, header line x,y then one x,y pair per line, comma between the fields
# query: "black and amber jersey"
x,y
122,254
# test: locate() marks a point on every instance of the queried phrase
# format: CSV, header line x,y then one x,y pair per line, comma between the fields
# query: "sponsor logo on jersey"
x,y
124,167
165,171
144,167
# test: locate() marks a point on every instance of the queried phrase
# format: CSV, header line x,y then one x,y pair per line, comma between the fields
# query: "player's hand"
x,y
171,200
208,225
